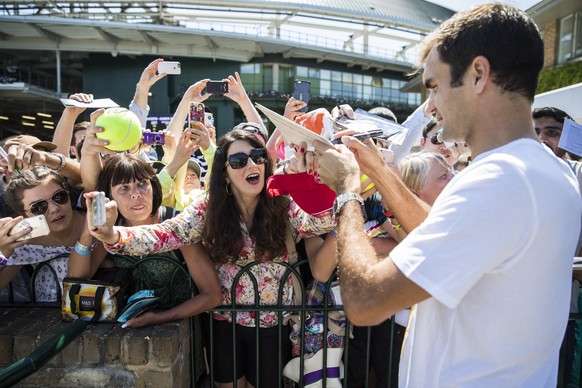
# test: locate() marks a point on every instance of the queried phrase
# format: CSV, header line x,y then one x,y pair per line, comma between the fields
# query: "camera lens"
x,y
158,138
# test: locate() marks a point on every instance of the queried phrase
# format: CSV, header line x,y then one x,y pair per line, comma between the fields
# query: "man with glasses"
x,y
431,141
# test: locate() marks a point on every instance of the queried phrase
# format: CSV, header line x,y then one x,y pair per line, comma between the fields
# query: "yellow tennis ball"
x,y
121,127
364,178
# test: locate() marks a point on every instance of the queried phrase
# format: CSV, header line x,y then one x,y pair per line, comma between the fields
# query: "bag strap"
x,y
97,304
75,288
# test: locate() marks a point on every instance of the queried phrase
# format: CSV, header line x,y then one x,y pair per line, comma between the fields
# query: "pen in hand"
x,y
5,156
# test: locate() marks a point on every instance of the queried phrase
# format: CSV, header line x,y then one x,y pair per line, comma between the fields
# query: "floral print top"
x,y
186,228
45,283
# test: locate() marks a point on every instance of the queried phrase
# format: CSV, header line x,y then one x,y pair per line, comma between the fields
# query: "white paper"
x,y
292,132
99,103
571,139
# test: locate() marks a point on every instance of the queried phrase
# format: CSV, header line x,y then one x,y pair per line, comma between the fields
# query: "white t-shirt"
x,y
496,255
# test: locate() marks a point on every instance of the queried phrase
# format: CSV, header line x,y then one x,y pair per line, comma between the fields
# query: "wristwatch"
x,y
341,200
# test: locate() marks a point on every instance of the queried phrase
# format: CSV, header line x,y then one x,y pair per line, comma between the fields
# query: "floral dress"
x,y
186,228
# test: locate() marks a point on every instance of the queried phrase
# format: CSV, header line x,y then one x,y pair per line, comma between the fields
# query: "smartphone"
x,y
37,223
302,91
154,138
217,87
387,155
208,119
98,207
169,67
361,136
196,113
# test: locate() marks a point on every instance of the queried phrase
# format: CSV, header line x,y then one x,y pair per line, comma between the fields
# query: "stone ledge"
x,y
104,355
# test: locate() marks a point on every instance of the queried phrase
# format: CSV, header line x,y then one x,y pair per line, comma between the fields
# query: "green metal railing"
x,y
178,275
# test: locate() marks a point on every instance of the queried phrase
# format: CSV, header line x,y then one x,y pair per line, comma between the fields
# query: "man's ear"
x,y
480,73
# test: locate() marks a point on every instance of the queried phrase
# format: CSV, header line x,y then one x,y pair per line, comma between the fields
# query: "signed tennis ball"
x,y
121,127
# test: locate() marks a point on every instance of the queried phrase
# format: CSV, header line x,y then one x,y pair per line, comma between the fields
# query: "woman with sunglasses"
x,y
41,191
239,224
132,183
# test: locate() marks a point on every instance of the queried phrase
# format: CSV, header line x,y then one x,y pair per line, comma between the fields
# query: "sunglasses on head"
x,y
248,127
37,208
240,159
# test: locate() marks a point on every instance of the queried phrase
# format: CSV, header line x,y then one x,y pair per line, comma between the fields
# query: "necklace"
x,y
71,236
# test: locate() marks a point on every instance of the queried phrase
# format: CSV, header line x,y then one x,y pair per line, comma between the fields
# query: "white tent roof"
x,y
568,99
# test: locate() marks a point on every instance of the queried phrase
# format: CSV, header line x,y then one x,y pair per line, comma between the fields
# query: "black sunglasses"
x,y
240,159
37,208
435,139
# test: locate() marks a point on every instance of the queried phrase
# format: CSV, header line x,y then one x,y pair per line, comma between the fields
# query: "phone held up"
x,y
196,113
37,223
154,138
169,67
217,87
98,207
302,91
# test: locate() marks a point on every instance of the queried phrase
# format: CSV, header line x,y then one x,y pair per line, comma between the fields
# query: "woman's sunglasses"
x,y
37,208
240,159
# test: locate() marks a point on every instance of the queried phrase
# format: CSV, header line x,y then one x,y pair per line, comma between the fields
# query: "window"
x,y
570,43
301,71
250,68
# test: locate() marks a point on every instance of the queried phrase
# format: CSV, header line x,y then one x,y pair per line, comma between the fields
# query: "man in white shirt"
x,y
487,269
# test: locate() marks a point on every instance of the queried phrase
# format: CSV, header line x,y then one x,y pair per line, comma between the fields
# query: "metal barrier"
x,y
178,274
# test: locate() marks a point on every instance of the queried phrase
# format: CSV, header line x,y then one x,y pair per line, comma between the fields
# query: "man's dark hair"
x,y
549,111
506,36
82,126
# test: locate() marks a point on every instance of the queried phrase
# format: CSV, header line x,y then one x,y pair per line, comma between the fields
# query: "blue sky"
x,y
458,5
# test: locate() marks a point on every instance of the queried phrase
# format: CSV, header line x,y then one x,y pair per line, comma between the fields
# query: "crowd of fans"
x,y
211,204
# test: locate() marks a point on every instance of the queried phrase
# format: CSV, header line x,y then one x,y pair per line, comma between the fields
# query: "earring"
x,y
228,188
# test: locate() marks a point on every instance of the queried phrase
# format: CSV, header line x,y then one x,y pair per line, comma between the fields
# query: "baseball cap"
x,y
32,141
193,165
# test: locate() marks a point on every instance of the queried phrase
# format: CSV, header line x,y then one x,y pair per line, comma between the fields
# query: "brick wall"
x,y
551,36
105,355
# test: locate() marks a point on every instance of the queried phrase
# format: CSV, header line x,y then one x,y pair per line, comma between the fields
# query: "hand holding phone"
x,y
387,155
37,223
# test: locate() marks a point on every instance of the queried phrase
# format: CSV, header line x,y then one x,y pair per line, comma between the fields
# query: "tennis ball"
x,y
121,127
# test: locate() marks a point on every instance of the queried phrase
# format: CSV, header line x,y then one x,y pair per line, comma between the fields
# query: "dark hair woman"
x,y
239,224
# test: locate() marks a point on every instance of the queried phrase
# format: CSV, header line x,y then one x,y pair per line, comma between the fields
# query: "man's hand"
x,y
366,153
337,168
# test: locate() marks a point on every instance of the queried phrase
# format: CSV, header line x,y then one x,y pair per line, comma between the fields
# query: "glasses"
x,y
252,128
37,208
436,139
240,159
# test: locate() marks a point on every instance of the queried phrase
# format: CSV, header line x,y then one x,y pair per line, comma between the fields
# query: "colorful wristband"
x,y
83,250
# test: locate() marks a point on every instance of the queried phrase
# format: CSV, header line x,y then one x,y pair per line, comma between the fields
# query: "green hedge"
x,y
559,77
